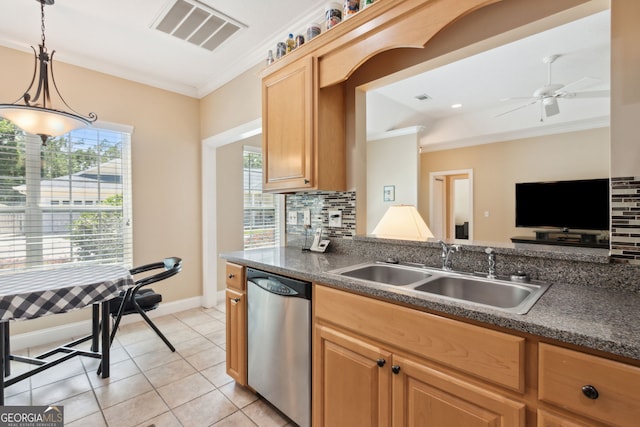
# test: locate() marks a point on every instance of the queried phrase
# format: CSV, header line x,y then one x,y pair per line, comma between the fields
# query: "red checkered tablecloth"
x,y
31,294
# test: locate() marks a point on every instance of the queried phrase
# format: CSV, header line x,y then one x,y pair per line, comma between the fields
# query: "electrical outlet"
x,y
335,218
306,217
292,218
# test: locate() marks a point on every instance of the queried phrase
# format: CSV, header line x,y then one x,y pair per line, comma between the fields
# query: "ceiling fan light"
x,y
551,107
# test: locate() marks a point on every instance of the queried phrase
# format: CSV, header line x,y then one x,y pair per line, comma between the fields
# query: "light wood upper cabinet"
x,y
304,114
303,131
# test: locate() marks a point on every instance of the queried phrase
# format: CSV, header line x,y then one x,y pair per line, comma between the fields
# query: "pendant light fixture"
x,y
37,114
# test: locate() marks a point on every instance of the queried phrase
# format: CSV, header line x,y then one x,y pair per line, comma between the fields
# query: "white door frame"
x,y
432,203
210,253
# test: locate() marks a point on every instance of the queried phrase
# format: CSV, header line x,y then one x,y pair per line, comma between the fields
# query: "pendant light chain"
x,y
42,37
37,115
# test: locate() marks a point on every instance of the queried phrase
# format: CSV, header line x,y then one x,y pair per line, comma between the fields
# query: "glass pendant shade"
x,y
402,222
42,121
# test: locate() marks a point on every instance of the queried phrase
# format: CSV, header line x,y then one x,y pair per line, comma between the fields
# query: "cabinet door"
x,y
351,381
287,141
424,396
236,307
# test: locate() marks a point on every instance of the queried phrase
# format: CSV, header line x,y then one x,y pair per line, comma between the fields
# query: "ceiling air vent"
x,y
197,23
423,97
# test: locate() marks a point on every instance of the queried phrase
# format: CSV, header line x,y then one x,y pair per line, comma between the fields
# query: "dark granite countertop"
x,y
596,318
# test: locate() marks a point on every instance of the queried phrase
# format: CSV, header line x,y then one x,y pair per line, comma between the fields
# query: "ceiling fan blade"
x,y
515,98
588,94
533,101
577,85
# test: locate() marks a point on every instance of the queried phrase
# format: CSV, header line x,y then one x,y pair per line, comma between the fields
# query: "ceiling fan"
x,y
548,94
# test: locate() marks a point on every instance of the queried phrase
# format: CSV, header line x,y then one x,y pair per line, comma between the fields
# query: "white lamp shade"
x,y
402,222
42,121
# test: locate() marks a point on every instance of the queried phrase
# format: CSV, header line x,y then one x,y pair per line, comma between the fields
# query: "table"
x,y
37,293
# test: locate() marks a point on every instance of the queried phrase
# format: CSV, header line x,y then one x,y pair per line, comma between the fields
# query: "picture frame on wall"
x,y
389,193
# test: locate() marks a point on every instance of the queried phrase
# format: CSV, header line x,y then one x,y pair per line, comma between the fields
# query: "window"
x,y
68,201
262,221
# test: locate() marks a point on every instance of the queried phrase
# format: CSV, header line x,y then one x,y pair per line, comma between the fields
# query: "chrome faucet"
x,y
446,254
492,263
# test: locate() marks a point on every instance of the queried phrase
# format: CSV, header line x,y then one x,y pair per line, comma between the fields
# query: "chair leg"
x,y
126,297
155,328
116,323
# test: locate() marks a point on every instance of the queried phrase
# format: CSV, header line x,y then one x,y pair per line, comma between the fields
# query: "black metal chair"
x,y
138,300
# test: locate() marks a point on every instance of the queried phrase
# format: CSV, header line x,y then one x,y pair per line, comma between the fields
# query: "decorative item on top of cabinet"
x,y
236,327
303,138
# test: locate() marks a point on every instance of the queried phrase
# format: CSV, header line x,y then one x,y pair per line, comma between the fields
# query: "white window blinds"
x,y
261,210
68,201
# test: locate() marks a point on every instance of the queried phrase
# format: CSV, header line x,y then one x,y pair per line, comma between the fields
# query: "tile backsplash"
x,y
625,219
320,203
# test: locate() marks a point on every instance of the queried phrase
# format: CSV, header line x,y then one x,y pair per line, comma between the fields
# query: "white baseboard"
x,y
78,329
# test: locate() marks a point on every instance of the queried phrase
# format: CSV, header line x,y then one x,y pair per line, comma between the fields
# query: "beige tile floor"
x,y
150,385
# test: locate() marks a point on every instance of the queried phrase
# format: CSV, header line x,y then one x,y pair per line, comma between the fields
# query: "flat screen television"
x,y
579,205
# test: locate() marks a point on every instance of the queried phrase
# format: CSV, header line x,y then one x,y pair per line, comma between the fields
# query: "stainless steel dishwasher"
x,y
279,342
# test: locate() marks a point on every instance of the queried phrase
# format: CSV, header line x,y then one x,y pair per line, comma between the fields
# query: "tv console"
x,y
586,239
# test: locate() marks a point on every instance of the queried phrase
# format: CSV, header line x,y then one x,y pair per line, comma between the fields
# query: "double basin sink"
x,y
504,295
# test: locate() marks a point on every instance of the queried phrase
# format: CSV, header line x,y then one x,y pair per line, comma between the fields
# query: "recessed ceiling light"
x,y
456,106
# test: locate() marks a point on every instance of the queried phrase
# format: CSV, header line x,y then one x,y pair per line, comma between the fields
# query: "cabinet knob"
x,y
590,391
306,181
381,362
231,276
235,300
395,369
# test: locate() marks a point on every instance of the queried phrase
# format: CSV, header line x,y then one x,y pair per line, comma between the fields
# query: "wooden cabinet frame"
x,y
311,152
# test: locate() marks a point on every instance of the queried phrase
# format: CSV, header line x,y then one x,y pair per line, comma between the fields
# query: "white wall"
x,y
394,160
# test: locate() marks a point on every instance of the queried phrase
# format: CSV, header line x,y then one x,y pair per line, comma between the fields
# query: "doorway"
x,y
451,204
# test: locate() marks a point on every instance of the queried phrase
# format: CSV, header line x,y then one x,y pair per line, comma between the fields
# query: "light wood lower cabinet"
x,y
425,396
377,364
236,306
548,418
236,317
592,386
352,379
360,381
